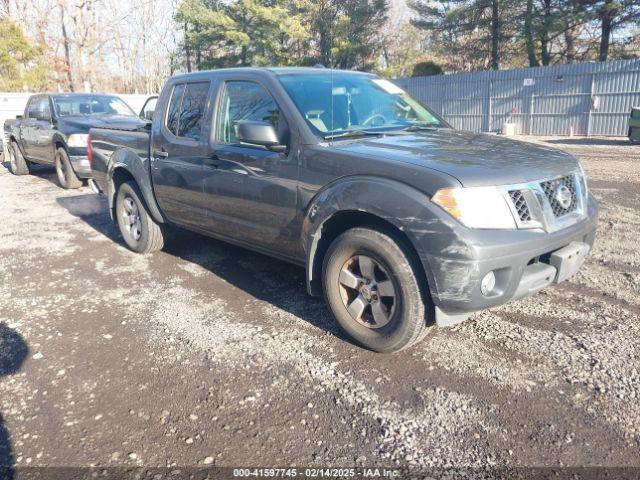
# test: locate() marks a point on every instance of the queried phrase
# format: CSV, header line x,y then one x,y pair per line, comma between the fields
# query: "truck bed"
x,y
121,141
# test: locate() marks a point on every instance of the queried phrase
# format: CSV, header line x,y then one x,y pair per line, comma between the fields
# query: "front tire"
x,y
140,231
371,284
66,175
17,162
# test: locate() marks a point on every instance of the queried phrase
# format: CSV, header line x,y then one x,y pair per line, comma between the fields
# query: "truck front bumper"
x,y
522,263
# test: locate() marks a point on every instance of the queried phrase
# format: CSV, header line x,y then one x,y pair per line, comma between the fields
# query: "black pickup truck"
x,y
54,130
401,221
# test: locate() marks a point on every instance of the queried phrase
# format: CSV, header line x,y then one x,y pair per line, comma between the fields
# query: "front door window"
x,y
242,100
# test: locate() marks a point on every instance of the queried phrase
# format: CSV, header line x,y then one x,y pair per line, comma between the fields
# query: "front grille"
x,y
520,204
554,191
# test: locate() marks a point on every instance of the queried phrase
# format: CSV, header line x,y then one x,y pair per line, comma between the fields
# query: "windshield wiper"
x,y
420,128
355,133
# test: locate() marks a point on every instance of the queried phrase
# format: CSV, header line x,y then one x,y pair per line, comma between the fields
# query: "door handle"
x,y
160,153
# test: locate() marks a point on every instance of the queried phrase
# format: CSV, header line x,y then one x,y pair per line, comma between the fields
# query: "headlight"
x,y
77,140
476,207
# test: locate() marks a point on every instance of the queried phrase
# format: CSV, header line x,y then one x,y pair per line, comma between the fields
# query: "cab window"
x,y
32,111
43,107
194,102
173,113
186,110
244,100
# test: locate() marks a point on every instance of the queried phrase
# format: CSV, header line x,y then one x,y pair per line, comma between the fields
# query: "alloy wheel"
x,y
367,291
131,218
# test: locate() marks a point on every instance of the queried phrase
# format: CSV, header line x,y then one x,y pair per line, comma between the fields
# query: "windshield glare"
x,y
91,105
358,102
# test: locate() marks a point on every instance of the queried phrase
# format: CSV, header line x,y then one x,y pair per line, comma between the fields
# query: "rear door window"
x,y
186,110
194,102
173,114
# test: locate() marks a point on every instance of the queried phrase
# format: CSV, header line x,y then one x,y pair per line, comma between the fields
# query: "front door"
x,y
252,191
42,132
179,147
27,129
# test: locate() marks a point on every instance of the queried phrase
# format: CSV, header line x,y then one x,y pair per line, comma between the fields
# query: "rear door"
x,y
179,148
252,191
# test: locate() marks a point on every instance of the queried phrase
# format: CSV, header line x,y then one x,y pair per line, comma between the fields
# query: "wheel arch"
x,y
59,141
120,173
365,202
14,140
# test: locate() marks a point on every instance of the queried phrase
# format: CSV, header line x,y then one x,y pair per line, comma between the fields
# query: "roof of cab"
x,y
268,71
80,94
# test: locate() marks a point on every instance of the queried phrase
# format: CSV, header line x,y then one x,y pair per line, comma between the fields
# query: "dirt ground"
x,y
208,354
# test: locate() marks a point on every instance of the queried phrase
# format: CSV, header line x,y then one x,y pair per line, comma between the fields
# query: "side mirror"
x,y
19,117
148,115
259,133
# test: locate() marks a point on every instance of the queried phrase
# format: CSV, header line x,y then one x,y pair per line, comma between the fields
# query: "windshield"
x,y
359,103
91,105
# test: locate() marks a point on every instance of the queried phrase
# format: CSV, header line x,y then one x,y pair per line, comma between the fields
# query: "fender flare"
x,y
407,209
138,168
62,140
14,139
58,138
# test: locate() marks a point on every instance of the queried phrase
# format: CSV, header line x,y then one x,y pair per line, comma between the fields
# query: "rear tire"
x,y
140,231
64,170
17,162
372,287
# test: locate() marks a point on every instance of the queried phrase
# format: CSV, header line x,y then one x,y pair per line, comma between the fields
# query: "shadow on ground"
x,y
278,283
93,210
46,172
13,352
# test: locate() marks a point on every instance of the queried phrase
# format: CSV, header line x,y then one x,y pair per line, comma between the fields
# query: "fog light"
x,y
488,283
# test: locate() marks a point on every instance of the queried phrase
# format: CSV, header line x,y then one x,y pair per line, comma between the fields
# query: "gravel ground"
x,y
208,354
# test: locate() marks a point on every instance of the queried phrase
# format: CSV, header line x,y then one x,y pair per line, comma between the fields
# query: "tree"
x,y
321,17
401,50
529,35
553,27
341,34
614,15
21,66
425,69
558,30
356,33
479,32
241,33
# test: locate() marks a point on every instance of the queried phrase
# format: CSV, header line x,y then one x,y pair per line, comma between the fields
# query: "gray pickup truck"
x,y
54,130
400,221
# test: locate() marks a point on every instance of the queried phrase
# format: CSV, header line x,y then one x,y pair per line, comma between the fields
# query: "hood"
x,y
83,123
472,158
